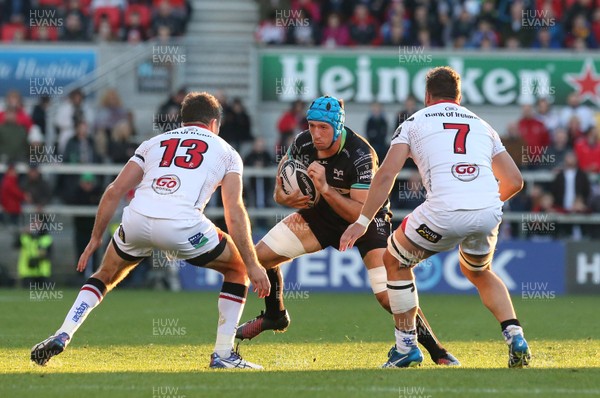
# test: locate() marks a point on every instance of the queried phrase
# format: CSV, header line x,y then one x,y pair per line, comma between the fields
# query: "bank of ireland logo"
x,y
166,185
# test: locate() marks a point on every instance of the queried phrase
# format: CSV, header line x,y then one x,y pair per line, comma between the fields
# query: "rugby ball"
x,y
295,176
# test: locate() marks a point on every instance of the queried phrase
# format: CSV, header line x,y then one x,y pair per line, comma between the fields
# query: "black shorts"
x,y
329,233
206,258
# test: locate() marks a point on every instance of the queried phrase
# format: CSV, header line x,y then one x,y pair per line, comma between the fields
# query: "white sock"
x,y
231,304
403,298
89,297
510,331
405,340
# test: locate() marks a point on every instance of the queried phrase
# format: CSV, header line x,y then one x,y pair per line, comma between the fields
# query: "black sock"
x,y
508,322
426,339
98,284
274,307
235,289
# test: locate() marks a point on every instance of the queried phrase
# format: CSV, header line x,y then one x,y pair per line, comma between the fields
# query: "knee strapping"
x,y
475,264
378,279
403,296
407,259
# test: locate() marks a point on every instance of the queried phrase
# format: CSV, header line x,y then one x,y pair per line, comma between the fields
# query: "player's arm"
x,y
347,207
384,179
295,199
507,173
129,177
504,168
379,191
238,225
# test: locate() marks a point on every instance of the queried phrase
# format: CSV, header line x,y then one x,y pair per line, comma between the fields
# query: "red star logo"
x,y
586,82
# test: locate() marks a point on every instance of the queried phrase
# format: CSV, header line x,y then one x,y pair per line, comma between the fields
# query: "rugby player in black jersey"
x,y
341,164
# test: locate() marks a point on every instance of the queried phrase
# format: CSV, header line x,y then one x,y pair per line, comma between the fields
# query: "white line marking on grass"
x,y
333,388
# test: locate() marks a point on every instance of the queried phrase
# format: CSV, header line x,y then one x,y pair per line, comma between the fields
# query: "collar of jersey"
x,y
201,125
445,100
343,141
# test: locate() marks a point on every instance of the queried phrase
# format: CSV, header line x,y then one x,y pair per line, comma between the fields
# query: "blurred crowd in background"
x,y
92,20
457,24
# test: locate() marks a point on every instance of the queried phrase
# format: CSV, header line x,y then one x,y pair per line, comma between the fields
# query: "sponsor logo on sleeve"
x,y
166,185
428,234
365,173
465,171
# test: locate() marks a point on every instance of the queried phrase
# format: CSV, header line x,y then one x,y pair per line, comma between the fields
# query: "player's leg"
x,y
376,271
399,259
373,260
495,297
115,266
290,238
425,336
493,292
226,259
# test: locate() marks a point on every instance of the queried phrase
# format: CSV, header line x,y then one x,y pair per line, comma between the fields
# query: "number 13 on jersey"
x,y
192,158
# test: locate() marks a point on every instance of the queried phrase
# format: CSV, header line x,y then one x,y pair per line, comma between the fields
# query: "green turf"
x,y
333,349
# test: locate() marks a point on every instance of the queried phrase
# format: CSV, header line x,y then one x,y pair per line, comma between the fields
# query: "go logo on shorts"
x,y
166,185
465,171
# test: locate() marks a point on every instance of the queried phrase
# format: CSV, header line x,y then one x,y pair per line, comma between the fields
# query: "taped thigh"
x,y
283,241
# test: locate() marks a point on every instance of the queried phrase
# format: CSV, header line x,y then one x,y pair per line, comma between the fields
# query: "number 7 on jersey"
x,y
460,139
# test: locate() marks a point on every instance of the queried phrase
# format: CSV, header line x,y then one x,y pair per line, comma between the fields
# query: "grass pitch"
x,y
157,344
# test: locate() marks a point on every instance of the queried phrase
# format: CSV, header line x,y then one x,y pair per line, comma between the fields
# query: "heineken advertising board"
x,y
385,76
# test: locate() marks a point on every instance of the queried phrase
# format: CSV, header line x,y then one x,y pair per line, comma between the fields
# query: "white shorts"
x,y
184,239
475,230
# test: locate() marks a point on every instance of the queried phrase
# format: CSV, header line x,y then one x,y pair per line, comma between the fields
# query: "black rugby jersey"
x,y
352,167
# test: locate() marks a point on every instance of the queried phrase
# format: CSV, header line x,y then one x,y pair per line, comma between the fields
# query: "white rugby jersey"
x,y
453,149
182,169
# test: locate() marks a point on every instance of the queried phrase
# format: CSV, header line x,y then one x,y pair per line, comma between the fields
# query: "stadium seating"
x,y
144,12
173,3
113,14
41,33
11,32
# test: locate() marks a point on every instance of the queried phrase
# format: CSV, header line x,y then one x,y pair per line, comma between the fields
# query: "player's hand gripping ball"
x,y
295,176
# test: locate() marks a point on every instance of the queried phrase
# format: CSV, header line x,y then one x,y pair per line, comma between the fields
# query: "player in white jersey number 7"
x,y
175,174
463,158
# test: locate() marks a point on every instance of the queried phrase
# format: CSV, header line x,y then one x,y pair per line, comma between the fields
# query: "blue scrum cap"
x,y
329,110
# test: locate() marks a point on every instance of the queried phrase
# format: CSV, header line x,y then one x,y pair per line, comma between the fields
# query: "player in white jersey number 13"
x,y
467,175
175,174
